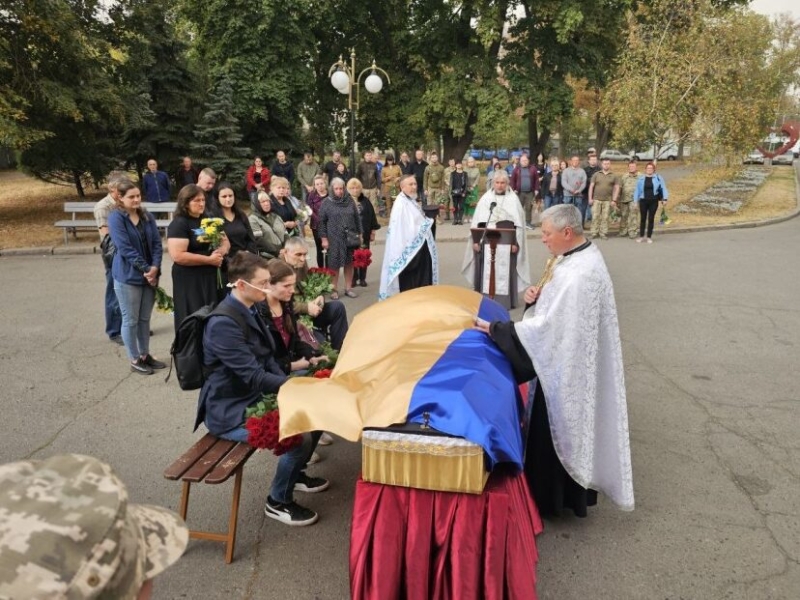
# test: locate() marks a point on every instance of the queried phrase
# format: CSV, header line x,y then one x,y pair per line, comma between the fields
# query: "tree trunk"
x,y
536,141
456,147
76,177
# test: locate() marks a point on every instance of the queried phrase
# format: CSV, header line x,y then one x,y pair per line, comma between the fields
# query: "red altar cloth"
x,y
416,544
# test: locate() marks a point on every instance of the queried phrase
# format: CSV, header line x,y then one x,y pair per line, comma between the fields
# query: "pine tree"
x,y
218,136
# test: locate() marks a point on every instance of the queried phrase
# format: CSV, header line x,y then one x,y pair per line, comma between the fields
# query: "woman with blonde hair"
x,y
281,200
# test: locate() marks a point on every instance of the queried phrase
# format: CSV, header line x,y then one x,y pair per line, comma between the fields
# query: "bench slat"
x,y
188,458
229,464
206,463
76,223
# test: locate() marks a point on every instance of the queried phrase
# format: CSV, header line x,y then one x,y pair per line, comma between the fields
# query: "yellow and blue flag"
x,y
416,354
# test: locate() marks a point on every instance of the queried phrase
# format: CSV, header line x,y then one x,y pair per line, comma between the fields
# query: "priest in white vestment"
x,y
500,206
567,344
410,259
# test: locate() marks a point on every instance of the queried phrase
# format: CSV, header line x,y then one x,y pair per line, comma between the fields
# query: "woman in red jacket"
x,y
258,177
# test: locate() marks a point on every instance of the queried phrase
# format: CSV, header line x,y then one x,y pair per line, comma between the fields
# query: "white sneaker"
x,y
325,440
649,240
315,458
639,240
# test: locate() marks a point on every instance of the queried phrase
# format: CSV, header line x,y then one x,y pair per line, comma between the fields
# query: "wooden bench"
x,y
79,208
214,461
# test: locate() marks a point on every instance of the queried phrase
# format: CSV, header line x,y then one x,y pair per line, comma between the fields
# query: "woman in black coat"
x,y
369,225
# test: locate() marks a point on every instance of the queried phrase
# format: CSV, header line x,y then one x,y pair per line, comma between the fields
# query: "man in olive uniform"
x,y
628,211
433,181
603,193
367,174
451,166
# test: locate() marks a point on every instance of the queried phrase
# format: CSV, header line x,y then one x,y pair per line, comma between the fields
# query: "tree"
x,y
697,69
264,49
163,103
219,137
58,101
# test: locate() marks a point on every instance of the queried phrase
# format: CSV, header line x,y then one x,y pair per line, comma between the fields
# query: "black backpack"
x,y
187,348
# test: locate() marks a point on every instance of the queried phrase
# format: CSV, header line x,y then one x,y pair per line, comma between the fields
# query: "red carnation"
x,y
323,373
322,271
362,258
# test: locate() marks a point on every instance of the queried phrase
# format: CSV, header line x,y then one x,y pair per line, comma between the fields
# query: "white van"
x,y
668,151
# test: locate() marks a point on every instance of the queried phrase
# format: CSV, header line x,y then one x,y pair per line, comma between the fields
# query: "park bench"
x,y
79,208
213,461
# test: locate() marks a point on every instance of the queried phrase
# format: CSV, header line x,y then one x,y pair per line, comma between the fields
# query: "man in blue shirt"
x,y
244,368
155,183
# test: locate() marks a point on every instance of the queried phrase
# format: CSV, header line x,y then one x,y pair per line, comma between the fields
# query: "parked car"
x,y
754,158
520,151
666,152
476,153
488,154
502,154
787,158
614,155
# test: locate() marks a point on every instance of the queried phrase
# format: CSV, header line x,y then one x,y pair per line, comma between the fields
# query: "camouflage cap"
x,y
67,531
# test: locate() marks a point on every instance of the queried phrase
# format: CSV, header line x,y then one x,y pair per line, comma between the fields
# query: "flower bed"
x,y
727,197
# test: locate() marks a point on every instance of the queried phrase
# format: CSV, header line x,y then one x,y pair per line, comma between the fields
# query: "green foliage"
x,y
58,101
264,48
162,105
698,70
218,136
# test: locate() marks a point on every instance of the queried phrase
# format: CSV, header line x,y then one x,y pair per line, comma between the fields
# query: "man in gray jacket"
x,y
573,179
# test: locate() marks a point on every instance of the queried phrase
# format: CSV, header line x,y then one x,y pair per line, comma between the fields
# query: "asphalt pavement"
x,y
710,325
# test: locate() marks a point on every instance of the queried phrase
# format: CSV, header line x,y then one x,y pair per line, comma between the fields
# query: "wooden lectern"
x,y
504,234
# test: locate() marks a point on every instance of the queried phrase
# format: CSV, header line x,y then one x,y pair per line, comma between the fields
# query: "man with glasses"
x,y
239,351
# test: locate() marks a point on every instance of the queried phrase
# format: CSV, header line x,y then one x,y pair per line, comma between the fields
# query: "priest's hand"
x,y
476,247
482,325
514,248
532,294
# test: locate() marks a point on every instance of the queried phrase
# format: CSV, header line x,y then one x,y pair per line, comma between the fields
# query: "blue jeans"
x,y
551,200
136,303
577,201
290,465
113,314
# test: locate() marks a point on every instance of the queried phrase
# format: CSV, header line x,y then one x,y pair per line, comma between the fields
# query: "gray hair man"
x,y
499,208
567,345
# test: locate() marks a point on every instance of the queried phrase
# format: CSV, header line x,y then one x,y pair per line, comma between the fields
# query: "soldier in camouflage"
x,y
628,210
433,183
67,531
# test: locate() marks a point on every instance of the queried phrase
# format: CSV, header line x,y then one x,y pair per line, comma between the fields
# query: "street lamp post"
x,y
343,78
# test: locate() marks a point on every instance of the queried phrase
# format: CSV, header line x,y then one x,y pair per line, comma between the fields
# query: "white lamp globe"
x,y
373,83
340,81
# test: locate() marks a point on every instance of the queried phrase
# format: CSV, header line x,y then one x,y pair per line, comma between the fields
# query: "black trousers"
x,y
318,245
647,209
332,321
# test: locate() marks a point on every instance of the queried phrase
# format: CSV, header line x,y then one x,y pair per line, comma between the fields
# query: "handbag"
x,y
352,238
107,250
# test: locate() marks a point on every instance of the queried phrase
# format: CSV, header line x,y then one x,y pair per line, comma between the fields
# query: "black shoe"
x,y
153,363
311,485
290,514
141,367
117,339
363,283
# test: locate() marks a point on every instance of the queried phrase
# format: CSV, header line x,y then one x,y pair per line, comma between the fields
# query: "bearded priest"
x,y
567,347
410,259
499,208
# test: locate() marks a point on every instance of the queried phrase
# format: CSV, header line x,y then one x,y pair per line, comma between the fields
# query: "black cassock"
x,y
551,486
418,272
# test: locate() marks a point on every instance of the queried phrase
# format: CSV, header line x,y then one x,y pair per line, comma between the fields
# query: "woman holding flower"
x,y
195,260
282,204
136,269
291,353
338,217
369,225
268,228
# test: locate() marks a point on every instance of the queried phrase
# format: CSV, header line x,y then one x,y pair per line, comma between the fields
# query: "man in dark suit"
x,y
239,350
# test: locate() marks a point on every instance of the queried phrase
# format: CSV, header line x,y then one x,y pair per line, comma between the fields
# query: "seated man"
x,y
244,368
329,316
